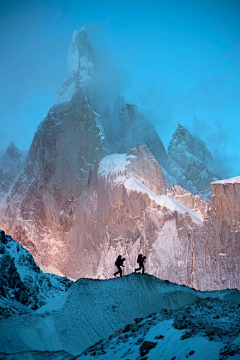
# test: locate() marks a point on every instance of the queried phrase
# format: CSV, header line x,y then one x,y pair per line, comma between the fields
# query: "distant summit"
x,y
130,127
80,57
80,62
189,162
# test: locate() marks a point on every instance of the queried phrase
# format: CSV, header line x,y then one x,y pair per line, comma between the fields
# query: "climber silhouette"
x,y
119,262
141,260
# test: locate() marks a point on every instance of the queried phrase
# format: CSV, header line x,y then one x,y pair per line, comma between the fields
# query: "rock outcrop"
x,y
22,280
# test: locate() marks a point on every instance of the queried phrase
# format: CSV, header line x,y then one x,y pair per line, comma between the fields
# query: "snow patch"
x,y
133,184
233,180
65,93
73,54
114,164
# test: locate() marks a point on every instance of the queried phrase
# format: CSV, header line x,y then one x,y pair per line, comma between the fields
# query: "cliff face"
x,y
226,225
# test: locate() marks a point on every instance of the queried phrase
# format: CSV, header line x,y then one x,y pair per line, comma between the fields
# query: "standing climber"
x,y
119,262
141,260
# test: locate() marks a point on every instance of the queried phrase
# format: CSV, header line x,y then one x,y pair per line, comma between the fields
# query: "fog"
x,y
176,62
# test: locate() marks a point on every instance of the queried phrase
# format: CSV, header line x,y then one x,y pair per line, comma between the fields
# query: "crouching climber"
x,y
141,260
119,262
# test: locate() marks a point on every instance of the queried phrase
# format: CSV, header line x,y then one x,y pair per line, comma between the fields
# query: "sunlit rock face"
x,y
130,211
226,225
129,128
181,243
189,162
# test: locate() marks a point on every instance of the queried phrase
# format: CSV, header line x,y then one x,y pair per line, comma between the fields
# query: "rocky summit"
x,y
89,192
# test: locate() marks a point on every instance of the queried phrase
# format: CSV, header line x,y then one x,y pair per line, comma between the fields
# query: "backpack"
x,y
139,258
119,261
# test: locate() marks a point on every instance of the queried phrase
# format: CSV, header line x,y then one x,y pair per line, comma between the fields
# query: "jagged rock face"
x,y
111,220
122,219
11,163
189,163
22,280
129,127
61,163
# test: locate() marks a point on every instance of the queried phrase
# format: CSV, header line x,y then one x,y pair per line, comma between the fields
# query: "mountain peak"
x,y
191,143
12,152
180,130
80,54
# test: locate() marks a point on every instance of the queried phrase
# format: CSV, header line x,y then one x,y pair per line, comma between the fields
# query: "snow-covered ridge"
x,y
115,165
93,310
133,184
233,180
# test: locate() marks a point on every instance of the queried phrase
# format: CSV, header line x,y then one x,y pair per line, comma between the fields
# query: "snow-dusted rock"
x,y
80,61
195,331
22,280
189,162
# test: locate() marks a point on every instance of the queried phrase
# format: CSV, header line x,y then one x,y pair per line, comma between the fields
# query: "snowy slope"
x,y
92,310
22,280
201,331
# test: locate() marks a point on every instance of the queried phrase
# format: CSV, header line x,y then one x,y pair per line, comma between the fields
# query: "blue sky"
x,y
178,60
